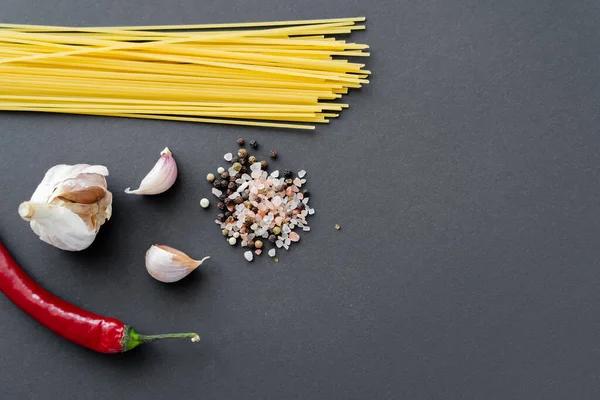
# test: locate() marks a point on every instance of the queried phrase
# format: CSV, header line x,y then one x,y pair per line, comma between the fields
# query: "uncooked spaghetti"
x,y
288,74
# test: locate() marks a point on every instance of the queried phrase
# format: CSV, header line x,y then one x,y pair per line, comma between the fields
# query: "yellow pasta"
x,y
286,74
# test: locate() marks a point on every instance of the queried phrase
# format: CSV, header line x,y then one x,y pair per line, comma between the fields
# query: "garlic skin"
x,y
168,265
160,178
69,206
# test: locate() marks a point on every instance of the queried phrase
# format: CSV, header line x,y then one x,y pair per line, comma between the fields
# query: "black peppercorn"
x,y
251,244
272,238
305,192
242,153
251,160
232,186
224,183
227,214
244,196
287,173
239,200
273,154
235,159
249,220
229,192
263,165
244,169
254,144
241,141
228,202
220,217
222,197
225,175
221,205
216,184
243,161
301,206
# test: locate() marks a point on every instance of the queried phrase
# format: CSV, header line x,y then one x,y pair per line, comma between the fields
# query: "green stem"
x,y
131,339
150,338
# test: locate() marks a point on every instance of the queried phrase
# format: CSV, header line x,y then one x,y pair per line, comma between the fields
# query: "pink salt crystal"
x,y
244,236
295,188
289,191
297,182
278,221
296,212
261,213
258,252
300,196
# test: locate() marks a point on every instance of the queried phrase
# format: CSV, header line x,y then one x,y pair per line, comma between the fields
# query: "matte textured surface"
x,y
465,179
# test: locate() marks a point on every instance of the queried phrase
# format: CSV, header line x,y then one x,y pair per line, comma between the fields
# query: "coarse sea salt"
x,y
268,204
255,167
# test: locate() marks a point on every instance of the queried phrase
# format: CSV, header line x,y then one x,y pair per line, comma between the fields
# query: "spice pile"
x,y
258,207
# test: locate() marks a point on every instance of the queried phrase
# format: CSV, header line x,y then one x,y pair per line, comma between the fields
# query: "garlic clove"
x,y
167,264
57,225
84,189
62,172
160,178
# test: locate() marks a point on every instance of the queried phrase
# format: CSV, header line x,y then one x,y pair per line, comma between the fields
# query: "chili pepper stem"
x,y
150,338
132,339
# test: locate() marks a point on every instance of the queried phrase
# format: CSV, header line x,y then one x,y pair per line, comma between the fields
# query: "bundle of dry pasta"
x,y
276,74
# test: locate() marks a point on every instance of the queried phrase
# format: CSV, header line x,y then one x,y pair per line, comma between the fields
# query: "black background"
x,y
465,178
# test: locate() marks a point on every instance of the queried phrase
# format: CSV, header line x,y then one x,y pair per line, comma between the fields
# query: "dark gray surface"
x,y
465,178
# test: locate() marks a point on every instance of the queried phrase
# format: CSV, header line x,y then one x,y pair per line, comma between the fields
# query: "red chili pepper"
x,y
105,335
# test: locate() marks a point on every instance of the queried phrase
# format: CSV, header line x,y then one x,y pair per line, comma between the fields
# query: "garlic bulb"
x,y
69,206
167,264
160,178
